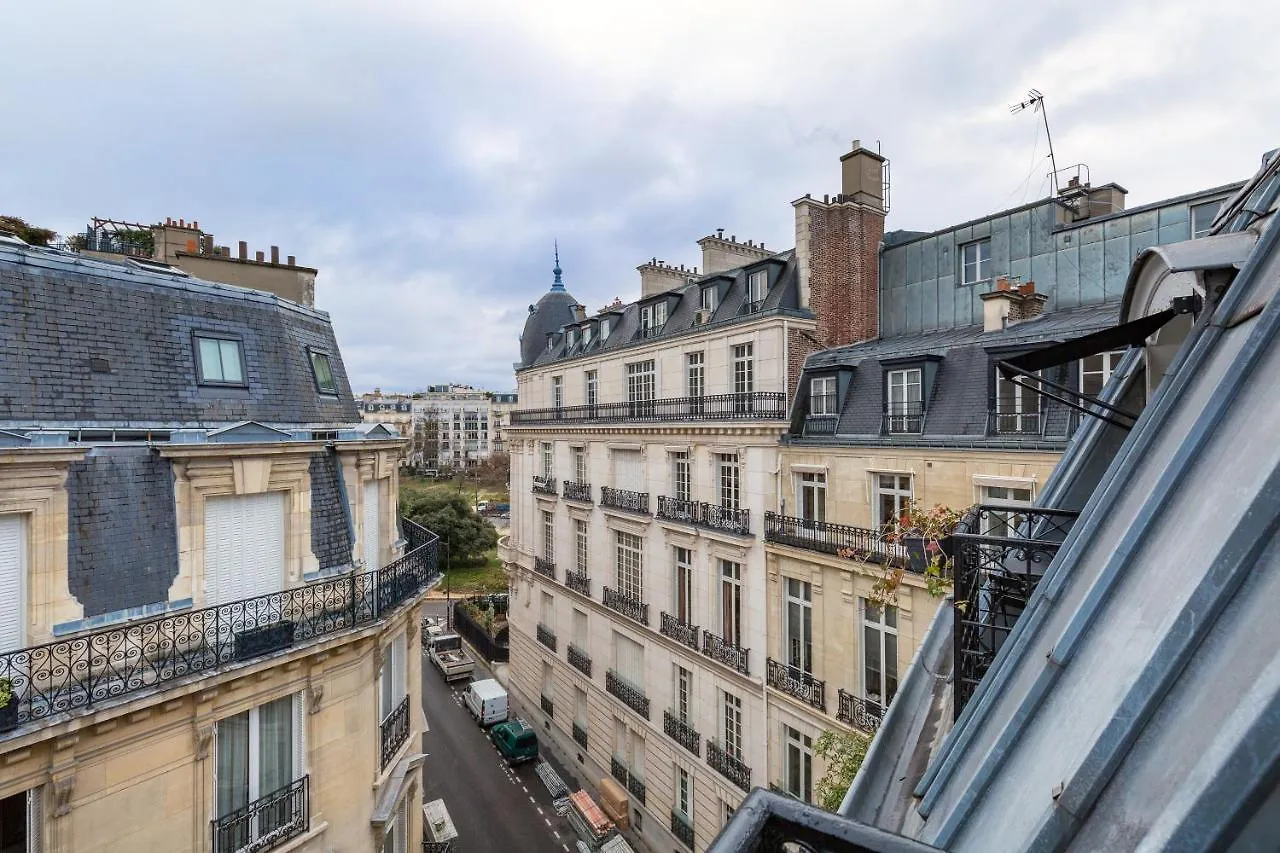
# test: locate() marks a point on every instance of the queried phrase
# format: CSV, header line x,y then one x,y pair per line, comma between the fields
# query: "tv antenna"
x,y
1035,102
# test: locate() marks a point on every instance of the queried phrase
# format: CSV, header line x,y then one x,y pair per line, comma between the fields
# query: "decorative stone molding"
x,y
315,693
204,737
62,791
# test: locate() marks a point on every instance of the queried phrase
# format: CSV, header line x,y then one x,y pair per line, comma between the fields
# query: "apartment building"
x,y
501,405
454,427
211,607
394,410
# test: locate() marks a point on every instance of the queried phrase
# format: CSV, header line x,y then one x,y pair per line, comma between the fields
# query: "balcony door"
x,y
372,519
243,546
259,754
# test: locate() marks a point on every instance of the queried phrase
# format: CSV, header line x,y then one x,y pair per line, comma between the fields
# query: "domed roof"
x,y
553,311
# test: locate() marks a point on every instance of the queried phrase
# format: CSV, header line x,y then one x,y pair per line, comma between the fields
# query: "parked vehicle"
x,y
447,654
432,627
487,702
516,741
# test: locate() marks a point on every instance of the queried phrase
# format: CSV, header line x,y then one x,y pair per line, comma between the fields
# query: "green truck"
x,y
516,741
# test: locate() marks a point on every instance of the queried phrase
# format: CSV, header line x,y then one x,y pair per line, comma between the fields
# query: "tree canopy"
x,y
450,515
843,753
27,233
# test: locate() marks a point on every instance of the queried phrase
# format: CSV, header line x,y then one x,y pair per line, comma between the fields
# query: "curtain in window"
x,y
233,772
275,761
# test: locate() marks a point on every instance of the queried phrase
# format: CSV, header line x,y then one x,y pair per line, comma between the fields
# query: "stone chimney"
x,y
659,276
720,253
173,237
1079,200
579,313
1009,303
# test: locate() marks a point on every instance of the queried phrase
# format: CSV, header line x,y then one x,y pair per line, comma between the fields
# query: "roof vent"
x,y
98,364
156,266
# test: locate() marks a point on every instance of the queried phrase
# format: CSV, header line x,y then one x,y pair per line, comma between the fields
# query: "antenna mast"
x,y
1035,101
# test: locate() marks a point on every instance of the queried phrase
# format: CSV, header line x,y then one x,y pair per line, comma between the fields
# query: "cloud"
x,y
424,156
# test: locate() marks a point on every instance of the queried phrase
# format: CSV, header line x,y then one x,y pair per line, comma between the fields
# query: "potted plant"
x,y
926,535
8,706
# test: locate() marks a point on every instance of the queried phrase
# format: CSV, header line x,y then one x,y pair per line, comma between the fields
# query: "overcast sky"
x,y
425,154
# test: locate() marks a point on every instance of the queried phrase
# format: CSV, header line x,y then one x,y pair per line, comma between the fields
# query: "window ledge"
x,y
300,842
325,574
393,786
102,620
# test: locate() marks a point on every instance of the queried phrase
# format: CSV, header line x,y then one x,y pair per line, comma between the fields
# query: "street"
x,y
494,807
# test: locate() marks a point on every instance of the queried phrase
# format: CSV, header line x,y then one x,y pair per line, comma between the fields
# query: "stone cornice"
x,y
772,429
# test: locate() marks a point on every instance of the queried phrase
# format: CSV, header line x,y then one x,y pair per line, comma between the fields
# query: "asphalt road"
x,y
494,807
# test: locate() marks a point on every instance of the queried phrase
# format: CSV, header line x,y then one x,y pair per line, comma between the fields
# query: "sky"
x,y
426,154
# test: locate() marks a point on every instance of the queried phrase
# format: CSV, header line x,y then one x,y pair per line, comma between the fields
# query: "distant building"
x,y
392,409
449,426
500,408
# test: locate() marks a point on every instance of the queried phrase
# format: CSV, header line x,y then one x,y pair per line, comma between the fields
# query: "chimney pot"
x,y
1027,289
244,250
275,254
293,261
195,225
733,238
1002,283
258,256
857,143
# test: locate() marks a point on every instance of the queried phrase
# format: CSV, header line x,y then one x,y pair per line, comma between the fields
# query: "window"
x,y
259,751
757,287
743,369
580,708
548,460
652,318
630,564
547,611
680,475
904,406
1006,524
732,722
694,367
557,391
975,260
822,395
684,693
641,386
1017,407
798,759
583,543
1202,216
728,810
730,480
683,563
571,338
586,336
580,464
605,325
710,298
811,496
591,388
731,602
684,795
799,625
392,687
628,660
321,371
893,493
580,628
1095,370
219,361
548,685
879,652
548,537
395,837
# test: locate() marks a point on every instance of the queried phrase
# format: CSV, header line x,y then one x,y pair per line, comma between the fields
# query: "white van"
x,y
487,702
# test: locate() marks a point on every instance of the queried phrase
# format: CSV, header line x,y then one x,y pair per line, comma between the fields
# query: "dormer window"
x,y
586,336
904,401
652,319
604,329
757,288
219,360
322,372
710,298
822,395
571,338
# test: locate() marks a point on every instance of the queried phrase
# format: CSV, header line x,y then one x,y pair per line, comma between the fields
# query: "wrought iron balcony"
x,y
579,734
266,822
869,546
632,697
577,491
1015,423
682,829
395,731
618,770
579,582
681,632
905,418
548,707
864,714
579,660
544,567
628,606
82,671
544,485
629,780
1000,554
796,682
728,766
820,424
757,405
623,499
635,785
711,516
718,649
682,733
546,636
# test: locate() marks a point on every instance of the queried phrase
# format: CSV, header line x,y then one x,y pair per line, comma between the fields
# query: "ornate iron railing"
x,y
682,733
266,822
618,770
719,649
548,707
1001,552
682,829
796,682
860,713
580,735
869,546
544,485
623,499
82,671
702,514
903,418
728,766
544,567
631,696
757,405
546,636
681,632
820,424
579,660
578,582
635,785
1016,423
628,606
395,731
437,846
577,491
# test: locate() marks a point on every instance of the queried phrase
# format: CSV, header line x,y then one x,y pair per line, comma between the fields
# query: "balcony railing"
x,y
579,660
548,707
635,785
718,649
1001,552
623,499
682,733
84,671
903,418
712,516
632,697
546,636
728,766
860,713
796,682
577,491
820,424
870,546
266,822
579,735
1015,423
682,829
544,567
579,582
756,405
395,731
681,632
544,485
628,606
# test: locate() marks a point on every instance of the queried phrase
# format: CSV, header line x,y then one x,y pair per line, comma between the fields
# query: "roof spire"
x,y
557,284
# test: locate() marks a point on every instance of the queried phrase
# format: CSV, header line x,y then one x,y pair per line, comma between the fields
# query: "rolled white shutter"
x,y
630,470
13,568
244,546
371,526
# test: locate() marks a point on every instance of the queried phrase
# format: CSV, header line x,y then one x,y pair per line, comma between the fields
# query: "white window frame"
x,y
1023,408
811,495
975,269
797,624
1101,365
743,357
642,381
731,731
822,395
901,496
709,299
695,374
548,536
591,387
606,326
392,677
731,604
557,392
757,287
583,545
1216,206
682,583
254,746
629,564
883,630
580,465
904,389
681,475
547,610
548,461
729,480
684,794
797,750
683,693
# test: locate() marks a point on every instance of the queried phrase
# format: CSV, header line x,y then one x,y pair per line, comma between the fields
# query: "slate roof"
x,y
553,311
59,311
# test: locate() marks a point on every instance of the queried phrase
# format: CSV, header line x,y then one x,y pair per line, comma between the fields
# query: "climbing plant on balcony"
x,y
925,536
